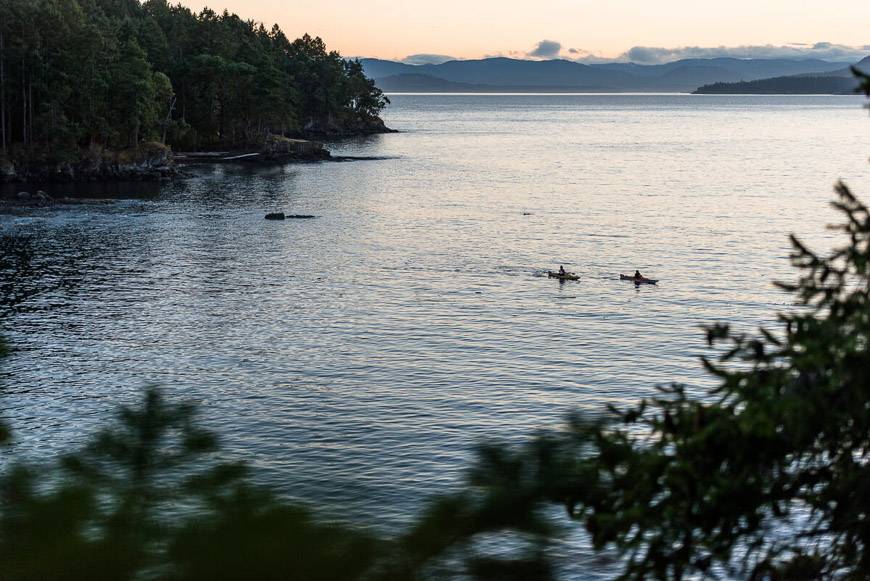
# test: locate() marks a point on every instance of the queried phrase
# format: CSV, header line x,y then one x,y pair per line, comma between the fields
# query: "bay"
x,y
354,360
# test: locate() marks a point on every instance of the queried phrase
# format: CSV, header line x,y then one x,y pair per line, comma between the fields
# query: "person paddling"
x,y
562,270
638,275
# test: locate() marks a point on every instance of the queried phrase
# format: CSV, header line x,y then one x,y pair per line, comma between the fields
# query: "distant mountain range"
x,y
839,82
507,75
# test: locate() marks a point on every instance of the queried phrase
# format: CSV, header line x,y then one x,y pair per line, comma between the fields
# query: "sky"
x,y
587,30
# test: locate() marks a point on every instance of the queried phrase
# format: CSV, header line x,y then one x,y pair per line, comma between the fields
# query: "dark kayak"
x,y
637,280
566,276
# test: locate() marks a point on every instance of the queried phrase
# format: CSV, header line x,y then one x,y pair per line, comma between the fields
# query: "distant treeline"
x,y
802,85
114,73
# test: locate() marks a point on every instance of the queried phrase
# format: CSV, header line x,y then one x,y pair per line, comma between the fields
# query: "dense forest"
x,y
111,74
799,85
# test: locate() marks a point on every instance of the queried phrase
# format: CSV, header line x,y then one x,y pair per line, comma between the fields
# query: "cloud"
x,y
513,54
427,59
584,56
546,49
650,55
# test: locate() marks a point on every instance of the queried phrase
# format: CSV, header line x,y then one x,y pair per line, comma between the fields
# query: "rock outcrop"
x,y
329,128
150,161
283,216
279,148
274,149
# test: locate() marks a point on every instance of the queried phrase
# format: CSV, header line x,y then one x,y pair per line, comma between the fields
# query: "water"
x,y
355,359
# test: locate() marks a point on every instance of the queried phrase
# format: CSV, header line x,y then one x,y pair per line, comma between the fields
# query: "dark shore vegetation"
x,y
840,82
80,78
767,476
800,85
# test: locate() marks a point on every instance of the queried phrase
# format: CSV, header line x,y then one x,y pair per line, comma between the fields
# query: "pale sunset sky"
x,y
608,28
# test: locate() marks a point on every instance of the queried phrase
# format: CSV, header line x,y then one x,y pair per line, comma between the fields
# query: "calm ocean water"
x,y
355,359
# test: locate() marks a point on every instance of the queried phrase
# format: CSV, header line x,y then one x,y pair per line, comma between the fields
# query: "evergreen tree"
x,y
82,73
132,90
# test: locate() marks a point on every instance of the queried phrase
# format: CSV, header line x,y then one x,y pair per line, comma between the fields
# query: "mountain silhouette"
x,y
493,74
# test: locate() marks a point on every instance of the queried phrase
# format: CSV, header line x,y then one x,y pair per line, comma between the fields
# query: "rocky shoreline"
x,y
25,201
151,161
329,129
276,149
155,161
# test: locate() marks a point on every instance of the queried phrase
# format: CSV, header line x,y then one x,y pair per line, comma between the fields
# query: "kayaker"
x,y
562,270
638,275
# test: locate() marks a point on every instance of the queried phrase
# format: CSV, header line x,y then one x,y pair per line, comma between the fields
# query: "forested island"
x,y
91,89
803,85
840,82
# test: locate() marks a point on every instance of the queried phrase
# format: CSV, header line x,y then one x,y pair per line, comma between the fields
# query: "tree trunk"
x,y
3,89
30,107
221,117
168,120
23,106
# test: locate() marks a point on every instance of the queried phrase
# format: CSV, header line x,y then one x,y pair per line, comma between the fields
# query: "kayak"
x,y
566,276
638,280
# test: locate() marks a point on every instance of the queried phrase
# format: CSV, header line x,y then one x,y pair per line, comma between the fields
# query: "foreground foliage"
x,y
146,495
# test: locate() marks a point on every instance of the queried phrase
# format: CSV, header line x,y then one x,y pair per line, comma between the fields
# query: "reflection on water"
x,y
356,358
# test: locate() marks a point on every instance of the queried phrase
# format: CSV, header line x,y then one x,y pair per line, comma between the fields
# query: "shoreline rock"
x,y
23,201
275,149
283,216
150,162
156,161
330,129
